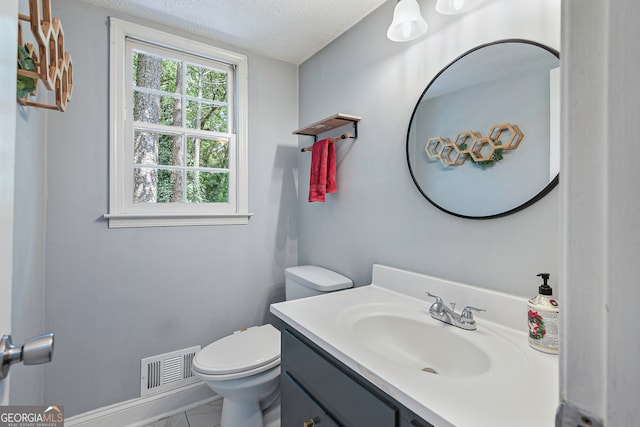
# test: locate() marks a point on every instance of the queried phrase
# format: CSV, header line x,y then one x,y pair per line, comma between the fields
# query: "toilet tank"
x,y
308,280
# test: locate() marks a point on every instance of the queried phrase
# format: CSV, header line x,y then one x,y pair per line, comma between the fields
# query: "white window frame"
x,y
122,211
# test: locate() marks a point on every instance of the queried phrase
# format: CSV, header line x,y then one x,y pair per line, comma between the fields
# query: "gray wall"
x,y
377,215
115,296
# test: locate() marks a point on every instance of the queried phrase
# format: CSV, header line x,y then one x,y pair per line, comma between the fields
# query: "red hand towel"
x,y
323,170
332,187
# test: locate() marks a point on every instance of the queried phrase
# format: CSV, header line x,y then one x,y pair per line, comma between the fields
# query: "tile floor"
x,y
208,415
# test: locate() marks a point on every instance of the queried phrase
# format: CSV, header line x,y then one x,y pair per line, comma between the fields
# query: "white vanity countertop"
x,y
520,388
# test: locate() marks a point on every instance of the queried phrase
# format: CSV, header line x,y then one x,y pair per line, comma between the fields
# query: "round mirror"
x,y
483,140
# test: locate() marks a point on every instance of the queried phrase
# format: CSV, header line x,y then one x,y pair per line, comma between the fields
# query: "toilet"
x,y
244,367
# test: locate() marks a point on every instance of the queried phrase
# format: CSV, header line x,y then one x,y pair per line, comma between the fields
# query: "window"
x,y
178,142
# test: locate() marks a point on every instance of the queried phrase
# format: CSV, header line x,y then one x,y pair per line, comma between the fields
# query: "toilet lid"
x,y
241,351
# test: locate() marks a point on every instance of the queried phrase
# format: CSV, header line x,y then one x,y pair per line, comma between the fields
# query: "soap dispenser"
x,y
543,318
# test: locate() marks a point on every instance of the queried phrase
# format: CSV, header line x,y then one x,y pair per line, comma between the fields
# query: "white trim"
x,y
9,37
145,410
123,214
168,220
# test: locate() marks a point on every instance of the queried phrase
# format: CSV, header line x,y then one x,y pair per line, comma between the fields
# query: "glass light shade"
x,y
451,7
408,23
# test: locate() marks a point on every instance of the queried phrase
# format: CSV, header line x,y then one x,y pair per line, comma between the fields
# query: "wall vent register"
x,y
167,371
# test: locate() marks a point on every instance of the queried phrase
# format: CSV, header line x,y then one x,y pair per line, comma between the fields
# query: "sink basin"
x,y
430,348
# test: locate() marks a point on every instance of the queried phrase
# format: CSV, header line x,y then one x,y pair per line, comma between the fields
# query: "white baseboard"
x,y
145,410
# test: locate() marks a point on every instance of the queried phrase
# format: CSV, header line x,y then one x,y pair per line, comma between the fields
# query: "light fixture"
x,y
408,24
451,7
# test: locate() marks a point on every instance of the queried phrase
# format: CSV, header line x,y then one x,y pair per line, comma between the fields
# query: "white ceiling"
x,y
289,30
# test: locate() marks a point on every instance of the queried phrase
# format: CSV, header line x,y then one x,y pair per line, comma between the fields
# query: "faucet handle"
x,y
438,299
467,313
438,306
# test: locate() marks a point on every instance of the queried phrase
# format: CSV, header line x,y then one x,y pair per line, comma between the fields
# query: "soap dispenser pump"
x,y
543,312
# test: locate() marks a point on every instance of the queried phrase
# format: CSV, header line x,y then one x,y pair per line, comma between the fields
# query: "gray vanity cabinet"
x,y
318,390
300,408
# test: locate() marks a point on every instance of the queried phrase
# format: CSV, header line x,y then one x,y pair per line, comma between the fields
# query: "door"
x,y
8,51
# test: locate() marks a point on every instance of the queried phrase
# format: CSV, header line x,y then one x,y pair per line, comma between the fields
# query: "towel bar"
x,y
337,138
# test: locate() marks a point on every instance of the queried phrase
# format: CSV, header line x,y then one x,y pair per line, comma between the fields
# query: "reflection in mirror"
x,y
483,140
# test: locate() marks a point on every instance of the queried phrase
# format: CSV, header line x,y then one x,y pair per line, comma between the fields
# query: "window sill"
x,y
176,220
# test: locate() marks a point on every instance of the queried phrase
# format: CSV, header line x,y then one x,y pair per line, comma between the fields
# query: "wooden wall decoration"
x,y
53,65
470,144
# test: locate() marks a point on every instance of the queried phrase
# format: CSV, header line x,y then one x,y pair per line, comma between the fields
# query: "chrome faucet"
x,y
441,312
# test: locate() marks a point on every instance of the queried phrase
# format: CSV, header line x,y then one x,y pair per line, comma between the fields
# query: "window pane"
x,y
207,153
146,107
160,149
145,148
169,186
145,185
154,108
153,185
207,187
206,83
170,111
154,72
206,117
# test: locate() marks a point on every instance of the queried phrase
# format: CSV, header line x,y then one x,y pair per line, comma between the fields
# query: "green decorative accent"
x,y
496,157
25,85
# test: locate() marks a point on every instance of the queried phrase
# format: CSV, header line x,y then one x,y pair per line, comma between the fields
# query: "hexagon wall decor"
x,y
471,144
504,130
53,65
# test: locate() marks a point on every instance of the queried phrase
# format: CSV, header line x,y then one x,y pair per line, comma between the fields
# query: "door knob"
x,y
34,351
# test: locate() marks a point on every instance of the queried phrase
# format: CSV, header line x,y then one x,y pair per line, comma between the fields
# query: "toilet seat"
x,y
243,353
243,374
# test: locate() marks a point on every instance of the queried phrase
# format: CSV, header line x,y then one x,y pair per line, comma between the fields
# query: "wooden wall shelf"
x,y
330,123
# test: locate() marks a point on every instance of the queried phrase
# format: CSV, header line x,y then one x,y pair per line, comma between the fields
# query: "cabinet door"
x,y
331,388
299,409
348,402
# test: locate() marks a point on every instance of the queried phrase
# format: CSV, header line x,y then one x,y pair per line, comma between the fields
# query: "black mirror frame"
x,y
552,184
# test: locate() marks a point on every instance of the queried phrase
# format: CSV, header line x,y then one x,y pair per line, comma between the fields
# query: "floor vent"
x,y
167,371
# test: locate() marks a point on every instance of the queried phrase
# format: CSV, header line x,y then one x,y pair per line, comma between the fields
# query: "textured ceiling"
x,y
289,30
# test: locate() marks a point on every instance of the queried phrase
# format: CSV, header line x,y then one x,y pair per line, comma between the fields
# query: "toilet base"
x,y
243,399
269,401
247,414
241,414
